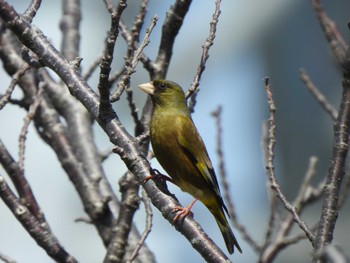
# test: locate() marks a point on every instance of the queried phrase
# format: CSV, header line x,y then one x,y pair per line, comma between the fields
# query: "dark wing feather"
x,y
193,147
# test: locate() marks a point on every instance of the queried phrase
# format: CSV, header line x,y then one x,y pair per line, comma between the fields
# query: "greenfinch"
x,y
180,150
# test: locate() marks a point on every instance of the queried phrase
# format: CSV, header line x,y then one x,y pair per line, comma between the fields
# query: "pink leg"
x,y
184,211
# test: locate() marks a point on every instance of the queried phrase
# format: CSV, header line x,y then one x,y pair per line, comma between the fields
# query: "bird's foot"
x,y
156,175
182,212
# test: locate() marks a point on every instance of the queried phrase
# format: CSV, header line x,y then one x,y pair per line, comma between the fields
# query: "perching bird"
x,y
180,150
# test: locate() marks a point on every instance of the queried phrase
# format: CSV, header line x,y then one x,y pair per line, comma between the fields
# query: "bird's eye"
x,y
162,86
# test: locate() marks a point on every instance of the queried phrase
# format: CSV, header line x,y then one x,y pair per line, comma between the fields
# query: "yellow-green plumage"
x,y
180,150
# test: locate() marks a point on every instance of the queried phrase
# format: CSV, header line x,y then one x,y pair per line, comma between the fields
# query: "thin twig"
x,y
92,68
149,217
226,186
271,196
193,91
270,168
300,202
133,45
27,120
15,78
109,6
329,108
106,153
124,83
332,34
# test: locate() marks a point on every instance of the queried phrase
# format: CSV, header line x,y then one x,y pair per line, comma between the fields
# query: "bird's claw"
x,y
156,175
182,212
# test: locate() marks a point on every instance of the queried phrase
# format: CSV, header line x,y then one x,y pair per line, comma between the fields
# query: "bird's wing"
x,y
193,147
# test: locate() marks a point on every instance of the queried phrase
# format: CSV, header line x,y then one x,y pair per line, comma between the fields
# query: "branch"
x,y
193,91
30,12
270,168
335,175
129,204
79,124
320,98
40,234
271,196
149,216
333,36
94,190
328,219
7,96
171,27
27,120
130,67
69,25
282,239
129,183
20,182
105,106
226,186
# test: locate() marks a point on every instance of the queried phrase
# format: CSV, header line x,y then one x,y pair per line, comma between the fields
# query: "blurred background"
x,y
254,39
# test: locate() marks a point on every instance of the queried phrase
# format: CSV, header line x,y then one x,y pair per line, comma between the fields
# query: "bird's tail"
x,y
226,231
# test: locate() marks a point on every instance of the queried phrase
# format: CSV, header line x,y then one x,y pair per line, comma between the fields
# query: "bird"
x,y
181,152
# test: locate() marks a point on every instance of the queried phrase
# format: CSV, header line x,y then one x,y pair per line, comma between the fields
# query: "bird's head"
x,y
165,93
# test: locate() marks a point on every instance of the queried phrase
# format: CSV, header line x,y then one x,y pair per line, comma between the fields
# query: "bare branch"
x,y
40,234
70,28
124,83
271,195
336,170
129,204
270,168
318,95
192,92
92,68
27,120
149,216
226,186
105,107
20,182
15,78
173,22
333,36
30,12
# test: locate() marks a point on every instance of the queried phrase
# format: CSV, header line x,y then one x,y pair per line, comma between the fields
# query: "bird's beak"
x,y
147,87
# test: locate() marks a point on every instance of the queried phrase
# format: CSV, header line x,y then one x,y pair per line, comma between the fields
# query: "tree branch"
x,y
70,28
335,175
171,27
40,234
193,91
270,168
